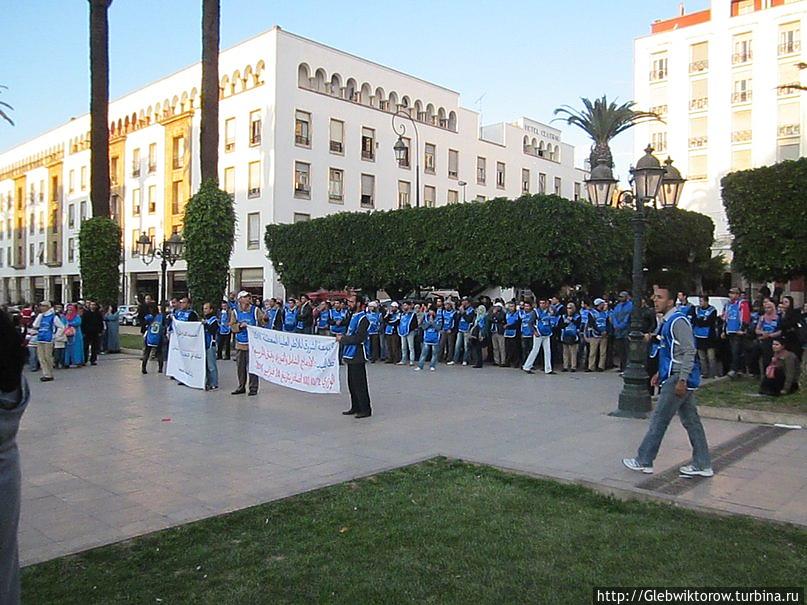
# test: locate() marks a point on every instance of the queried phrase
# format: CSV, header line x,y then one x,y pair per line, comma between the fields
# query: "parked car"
x,y
128,315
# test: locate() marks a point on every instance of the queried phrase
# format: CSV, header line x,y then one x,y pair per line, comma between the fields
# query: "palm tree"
x,y
209,125
3,114
602,121
99,107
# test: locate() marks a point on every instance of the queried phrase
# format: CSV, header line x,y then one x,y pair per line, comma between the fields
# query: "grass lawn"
x,y
437,532
131,341
742,392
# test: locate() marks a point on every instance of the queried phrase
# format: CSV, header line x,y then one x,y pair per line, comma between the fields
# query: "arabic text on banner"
x,y
186,353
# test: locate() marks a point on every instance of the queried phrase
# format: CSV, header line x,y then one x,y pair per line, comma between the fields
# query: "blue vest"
x,y
753,324
390,329
569,333
374,317
431,330
447,319
46,328
224,322
350,351
208,336
324,318
685,308
597,323
703,314
271,317
511,319
734,318
154,332
546,323
406,322
182,314
249,317
290,319
769,327
527,320
337,316
666,351
466,319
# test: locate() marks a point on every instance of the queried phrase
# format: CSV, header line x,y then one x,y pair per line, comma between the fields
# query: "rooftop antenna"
x,y
478,104
681,10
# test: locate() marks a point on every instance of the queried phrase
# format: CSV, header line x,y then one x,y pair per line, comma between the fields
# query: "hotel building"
x,y
305,131
719,78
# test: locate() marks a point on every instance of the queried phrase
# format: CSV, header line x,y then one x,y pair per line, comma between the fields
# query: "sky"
x,y
507,58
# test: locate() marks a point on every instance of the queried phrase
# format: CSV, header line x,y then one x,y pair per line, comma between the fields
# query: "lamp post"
x,y
171,251
402,150
651,183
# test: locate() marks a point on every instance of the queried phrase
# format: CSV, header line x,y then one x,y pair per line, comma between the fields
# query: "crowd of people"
x,y
62,337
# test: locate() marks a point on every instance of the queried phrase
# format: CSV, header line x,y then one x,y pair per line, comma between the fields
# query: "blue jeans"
x,y
33,360
408,346
666,407
424,353
462,349
212,379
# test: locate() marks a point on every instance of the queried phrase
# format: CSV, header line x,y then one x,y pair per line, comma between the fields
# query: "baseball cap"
x,y
598,301
394,304
243,293
624,293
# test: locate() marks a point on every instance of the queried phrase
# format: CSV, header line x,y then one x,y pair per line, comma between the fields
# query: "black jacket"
x,y
92,322
306,315
357,339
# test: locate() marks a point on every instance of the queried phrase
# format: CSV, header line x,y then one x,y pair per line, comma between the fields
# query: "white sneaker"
x,y
400,363
432,369
449,363
732,374
411,364
418,369
465,363
634,465
691,471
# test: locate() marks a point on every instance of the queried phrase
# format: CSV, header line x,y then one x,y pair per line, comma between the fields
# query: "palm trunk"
x,y
99,107
209,128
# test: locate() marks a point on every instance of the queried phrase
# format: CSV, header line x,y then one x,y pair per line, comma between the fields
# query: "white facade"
x,y
305,131
715,77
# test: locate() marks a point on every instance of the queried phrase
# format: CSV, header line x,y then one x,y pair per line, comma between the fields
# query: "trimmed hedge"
x,y
767,213
540,242
209,232
99,257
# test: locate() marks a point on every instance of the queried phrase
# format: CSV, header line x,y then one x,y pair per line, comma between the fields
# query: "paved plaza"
x,y
109,453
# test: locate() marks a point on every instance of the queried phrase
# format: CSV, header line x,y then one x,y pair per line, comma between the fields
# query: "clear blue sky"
x,y
527,56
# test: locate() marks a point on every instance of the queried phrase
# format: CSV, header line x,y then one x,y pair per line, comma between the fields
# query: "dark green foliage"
x,y
209,233
99,256
767,212
541,242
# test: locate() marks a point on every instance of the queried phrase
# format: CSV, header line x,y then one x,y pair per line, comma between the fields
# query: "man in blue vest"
x,y
542,338
352,343
245,314
704,326
223,339
211,328
736,319
153,338
462,346
391,320
407,328
679,376
620,319
512,327
323,319
46,324
373,347
448,335
528,319
291,317
273,314
596,332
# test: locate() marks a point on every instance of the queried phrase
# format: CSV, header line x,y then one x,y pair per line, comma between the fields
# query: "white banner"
x,y
186,353
298,361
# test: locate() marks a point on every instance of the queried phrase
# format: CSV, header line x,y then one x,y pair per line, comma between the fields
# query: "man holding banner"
x,y
353,355
245,314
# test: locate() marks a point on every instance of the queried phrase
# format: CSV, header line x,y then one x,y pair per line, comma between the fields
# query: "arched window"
x,y
236,83
452,121
420,114
336,85
351,92
249,77
442,121
393,101
259,67
225,87
526,144
381,99
430,117
557,153
365,94
319,80
303,76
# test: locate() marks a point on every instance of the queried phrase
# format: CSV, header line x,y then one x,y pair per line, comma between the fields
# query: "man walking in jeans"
x,y
678,375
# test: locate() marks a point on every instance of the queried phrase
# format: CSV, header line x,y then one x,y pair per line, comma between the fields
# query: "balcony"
x,y
697,67
698,104
741,136
789,48
366,200
790,88
152,168
336,147
367,154
696,177
302,140
658,75
789,130
658,109
741,58
229,146
253,192
698,142
743,96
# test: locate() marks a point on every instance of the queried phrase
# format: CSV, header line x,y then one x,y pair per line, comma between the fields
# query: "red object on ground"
x,y
166,420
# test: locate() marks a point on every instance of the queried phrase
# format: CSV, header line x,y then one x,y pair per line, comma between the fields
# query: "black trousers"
x,y
357,385
476,352
526,348
375,348
223,342
393,347
621,346
92,346
512,353
152,352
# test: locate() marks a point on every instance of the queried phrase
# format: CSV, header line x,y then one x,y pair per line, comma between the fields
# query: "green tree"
x,y
99,254
767,213
602,121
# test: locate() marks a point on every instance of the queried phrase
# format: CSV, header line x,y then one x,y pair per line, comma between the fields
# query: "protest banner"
x,y
298,361
186,353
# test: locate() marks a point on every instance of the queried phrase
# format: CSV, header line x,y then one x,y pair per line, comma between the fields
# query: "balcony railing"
x,y
789,130
254,192
789,88
367,154
366,200
336,147
740,58
658,109
741,97
740,136
699,66
697,142
657,75
789,48
303,140
696,177
698,104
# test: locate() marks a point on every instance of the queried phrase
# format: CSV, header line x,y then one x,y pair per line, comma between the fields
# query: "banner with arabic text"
x,y
298,361
186,353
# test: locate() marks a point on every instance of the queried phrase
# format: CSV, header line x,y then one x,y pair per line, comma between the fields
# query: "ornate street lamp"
x,y
650,180
172,250
402,150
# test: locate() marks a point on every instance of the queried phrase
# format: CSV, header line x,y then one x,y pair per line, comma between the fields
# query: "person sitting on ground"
x,y
782,374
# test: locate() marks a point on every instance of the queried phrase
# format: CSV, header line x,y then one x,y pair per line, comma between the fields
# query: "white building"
x,y
306,130
715,77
